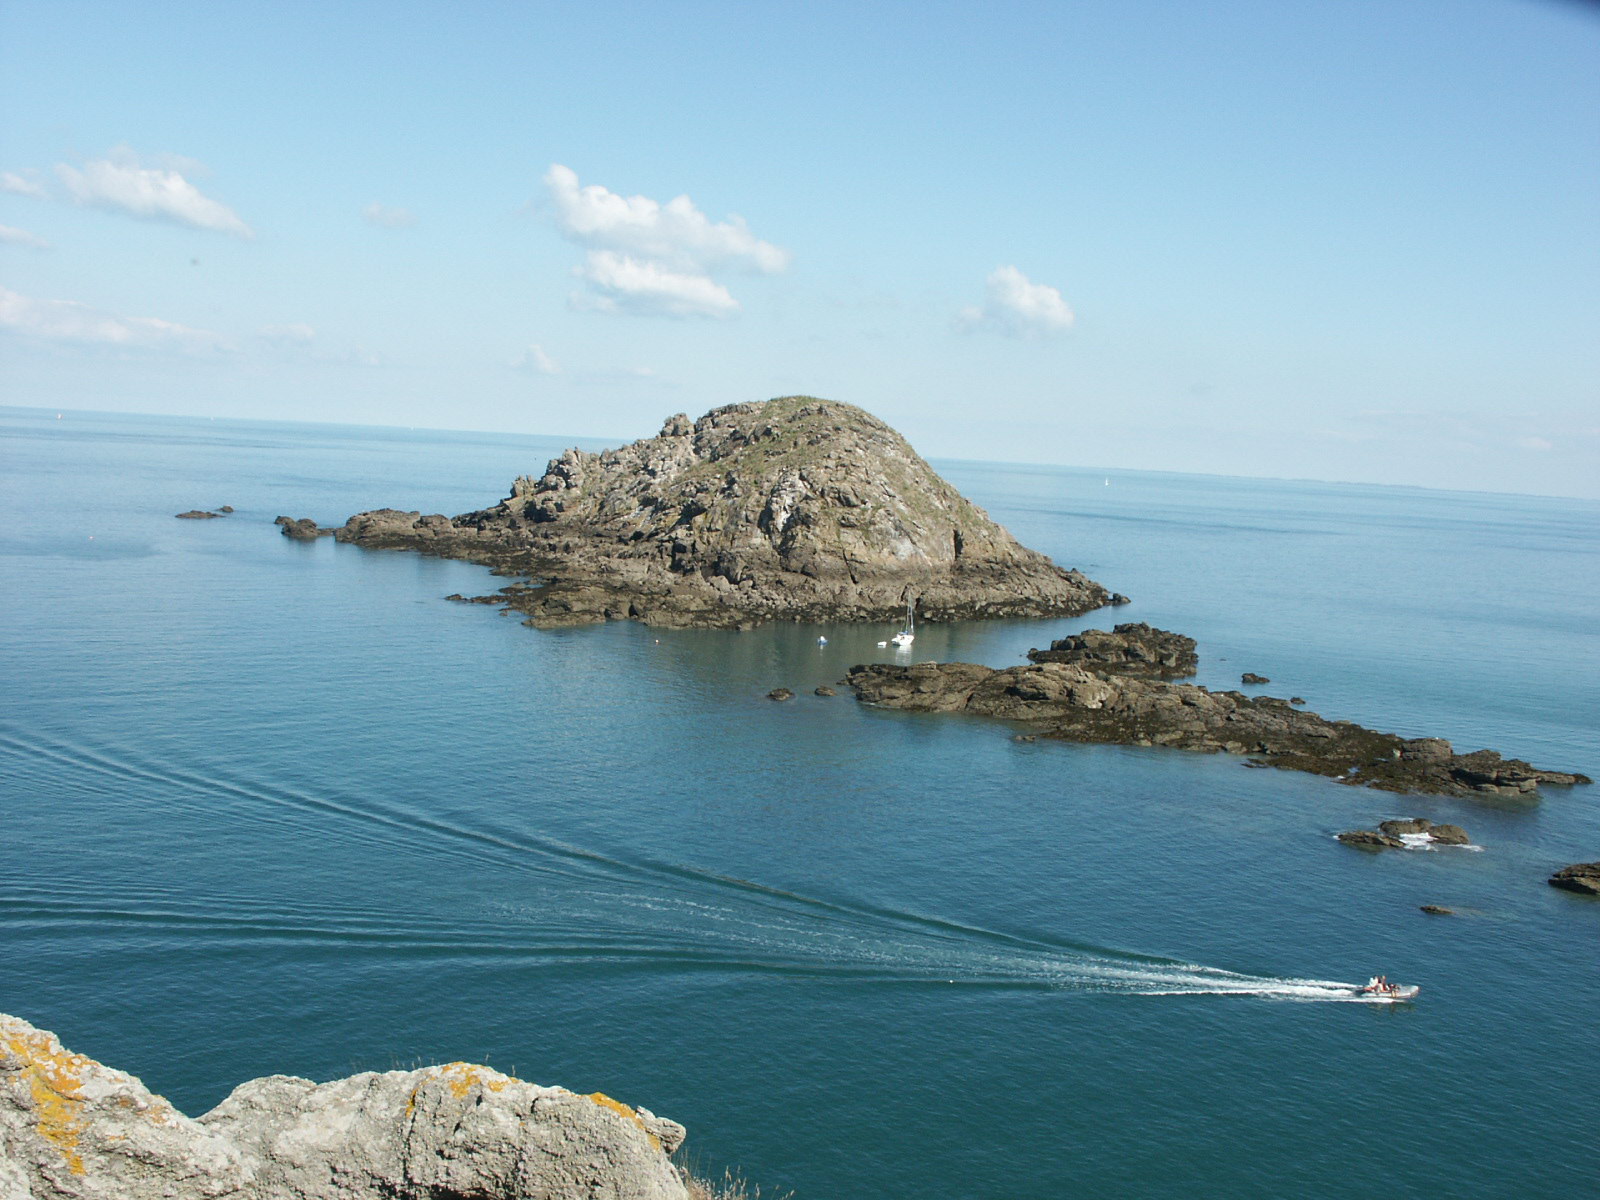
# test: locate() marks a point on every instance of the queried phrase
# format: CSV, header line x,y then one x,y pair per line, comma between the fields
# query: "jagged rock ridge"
x,y
73,1128
788,509
1068,700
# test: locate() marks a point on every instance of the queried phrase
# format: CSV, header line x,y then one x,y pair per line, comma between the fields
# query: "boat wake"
x,y
555,904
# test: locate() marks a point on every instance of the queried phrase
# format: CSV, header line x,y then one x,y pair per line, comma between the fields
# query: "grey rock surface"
x,y
198,514
72,1128
1133,649
788,509
302,529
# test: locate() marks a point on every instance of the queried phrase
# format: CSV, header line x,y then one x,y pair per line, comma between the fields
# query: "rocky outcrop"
x,y
72,1128
781,693
790,509
1583,878
198,514
1076,704
1251,679
1437,910
1133,649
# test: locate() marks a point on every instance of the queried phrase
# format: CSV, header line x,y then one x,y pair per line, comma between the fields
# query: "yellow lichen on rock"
x,y
54,1077
622,1110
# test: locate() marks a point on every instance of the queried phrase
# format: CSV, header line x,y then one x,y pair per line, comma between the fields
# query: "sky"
x,y
1334,239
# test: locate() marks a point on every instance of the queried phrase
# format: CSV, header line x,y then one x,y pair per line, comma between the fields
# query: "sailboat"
x,y
909,634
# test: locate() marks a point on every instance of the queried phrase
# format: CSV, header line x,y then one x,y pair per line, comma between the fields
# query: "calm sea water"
x,y
273,807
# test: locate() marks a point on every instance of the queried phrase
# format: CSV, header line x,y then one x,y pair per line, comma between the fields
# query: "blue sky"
x,y
1329,239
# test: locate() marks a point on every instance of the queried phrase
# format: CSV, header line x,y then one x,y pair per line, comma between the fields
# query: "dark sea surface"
x,y
277,807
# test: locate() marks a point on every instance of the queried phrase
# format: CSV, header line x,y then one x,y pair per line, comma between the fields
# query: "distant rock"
x,y
1139,650
1076,704
1366,839
824,690
1297,700
197,514
302,529
1583,878
782,693
1438,910
74,1129
790,509
1251,677
226,508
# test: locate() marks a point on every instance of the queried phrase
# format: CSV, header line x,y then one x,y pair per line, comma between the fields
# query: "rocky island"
x,y
72,1127
793,509
1097,687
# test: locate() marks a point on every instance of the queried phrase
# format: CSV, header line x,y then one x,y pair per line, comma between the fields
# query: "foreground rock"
x,y
70,1127
1138,649
791,509
1076,704
1579,877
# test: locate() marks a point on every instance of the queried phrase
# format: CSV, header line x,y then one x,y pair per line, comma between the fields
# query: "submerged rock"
x,y
790,509
780,694
1130,649
70,1127
1438,910
1579,877
197,514
1076,704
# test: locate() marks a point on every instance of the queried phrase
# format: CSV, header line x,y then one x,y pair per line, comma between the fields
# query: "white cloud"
x,y
535,359
70,321
1535,443
25,184
385,217
648,257
643,286
675,233
1016,306
121,183
12,236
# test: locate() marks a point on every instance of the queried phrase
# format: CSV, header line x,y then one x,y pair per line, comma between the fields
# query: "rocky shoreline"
x,y
72,1127
795,509
1095,688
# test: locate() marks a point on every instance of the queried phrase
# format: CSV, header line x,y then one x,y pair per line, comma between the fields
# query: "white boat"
x,y
1379,988
909,634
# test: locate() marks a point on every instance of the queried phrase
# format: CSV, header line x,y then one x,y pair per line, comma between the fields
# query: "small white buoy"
x,y
822,641
882,644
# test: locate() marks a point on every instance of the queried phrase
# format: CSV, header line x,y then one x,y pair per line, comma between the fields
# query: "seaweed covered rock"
x,y
1583,878
788,509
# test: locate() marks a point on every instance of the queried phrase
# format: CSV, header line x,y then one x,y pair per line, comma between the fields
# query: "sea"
x,y
278,807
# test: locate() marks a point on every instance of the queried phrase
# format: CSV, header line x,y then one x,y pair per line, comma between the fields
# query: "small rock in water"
x,y
195,514
226,508
1367,839
1297,699
1025,737
1438,910
780,694
825,690
1252,677
1583,878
